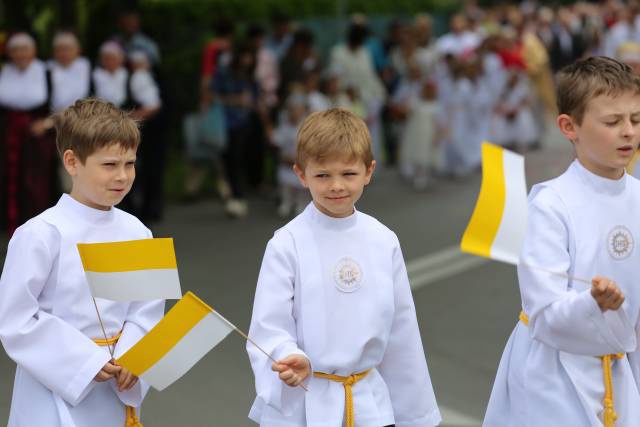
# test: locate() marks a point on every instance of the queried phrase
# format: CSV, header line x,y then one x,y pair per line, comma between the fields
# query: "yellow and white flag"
x,y
186,333
499,222
134,270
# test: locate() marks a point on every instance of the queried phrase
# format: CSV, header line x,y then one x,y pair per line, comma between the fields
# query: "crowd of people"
x,y
428,101
32,89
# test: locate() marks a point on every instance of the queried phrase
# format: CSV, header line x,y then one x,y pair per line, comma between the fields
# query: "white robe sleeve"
x,y
55,353
404,366
563,318
273,326
634,358
141,318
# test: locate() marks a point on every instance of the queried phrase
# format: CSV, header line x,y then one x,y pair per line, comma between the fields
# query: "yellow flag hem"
x,y
487,215
132,255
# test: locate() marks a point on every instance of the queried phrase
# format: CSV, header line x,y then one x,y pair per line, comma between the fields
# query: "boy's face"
x,y
335,185
105,177
609,134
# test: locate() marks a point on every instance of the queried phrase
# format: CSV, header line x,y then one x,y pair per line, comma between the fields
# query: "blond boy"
x,y
48,323
333,304
573,360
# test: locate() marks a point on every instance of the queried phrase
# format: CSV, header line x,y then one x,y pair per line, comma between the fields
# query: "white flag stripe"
x,y
205,335
510,236
139,285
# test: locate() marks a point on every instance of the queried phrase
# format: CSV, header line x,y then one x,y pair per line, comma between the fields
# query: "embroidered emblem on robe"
x,y
620,242
347,275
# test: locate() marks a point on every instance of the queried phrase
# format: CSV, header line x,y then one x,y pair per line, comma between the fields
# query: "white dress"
x,y
336,290
418,142
48,320
550,375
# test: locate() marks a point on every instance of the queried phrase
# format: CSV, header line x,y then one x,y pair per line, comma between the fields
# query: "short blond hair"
x,y
91,124
584,80
335,133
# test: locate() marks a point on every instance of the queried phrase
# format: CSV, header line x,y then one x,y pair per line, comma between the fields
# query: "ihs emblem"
x,y
347,275
620,242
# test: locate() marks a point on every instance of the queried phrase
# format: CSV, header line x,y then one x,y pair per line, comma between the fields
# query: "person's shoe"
x,y
236,208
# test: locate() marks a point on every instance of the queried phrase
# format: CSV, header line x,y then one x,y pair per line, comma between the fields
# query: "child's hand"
x,y
606,293
293,369
108,371
125,379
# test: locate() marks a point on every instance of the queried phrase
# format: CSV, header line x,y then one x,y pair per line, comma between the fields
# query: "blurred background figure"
x,y
28,155
293,196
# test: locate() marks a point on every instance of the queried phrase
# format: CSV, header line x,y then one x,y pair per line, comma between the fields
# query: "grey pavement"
x,y
465,317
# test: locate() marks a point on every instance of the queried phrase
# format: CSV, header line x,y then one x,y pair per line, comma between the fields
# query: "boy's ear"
x,y
369,173
70,162
567,126
301,177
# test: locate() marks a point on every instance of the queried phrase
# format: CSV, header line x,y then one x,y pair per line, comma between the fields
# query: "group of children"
x,y
333,304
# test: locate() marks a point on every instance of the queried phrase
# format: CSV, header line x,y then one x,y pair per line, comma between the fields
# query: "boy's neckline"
x,y
337,223
601,183
85,212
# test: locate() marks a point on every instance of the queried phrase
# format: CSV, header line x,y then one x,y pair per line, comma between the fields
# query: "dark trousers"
x,y
235,159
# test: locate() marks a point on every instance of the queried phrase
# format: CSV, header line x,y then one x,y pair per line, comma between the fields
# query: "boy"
x,y
333,304
47,315
573,358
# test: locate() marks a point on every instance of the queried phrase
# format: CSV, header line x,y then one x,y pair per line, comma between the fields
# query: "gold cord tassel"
x,y
131,419
609,415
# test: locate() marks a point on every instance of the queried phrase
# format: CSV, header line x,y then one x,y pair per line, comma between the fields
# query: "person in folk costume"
x,y
69,76
333,305
49,326
573,357
70,72
110,77
28,155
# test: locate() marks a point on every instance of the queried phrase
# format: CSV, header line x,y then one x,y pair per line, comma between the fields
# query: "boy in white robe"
x,y
333,304
573,358
66,375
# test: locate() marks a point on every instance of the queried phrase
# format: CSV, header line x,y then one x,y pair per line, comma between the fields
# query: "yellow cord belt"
x,y
609,415
130,419
347,382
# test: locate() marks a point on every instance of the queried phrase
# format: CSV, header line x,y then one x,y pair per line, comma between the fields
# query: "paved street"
x,y
466,306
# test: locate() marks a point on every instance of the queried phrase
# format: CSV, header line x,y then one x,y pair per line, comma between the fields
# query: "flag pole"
x,y
104,333
246,337
556,273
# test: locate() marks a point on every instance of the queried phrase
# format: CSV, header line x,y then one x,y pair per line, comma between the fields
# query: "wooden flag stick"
x,y
246,337
106,339
557,273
